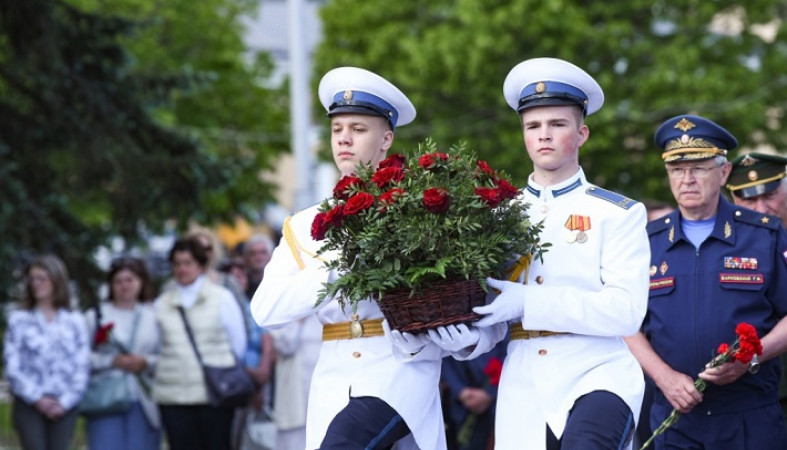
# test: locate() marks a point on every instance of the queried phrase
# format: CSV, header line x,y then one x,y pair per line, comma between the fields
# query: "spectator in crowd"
x,y
713,266
47,358
256,254
260,354
190,421
133,350
470,388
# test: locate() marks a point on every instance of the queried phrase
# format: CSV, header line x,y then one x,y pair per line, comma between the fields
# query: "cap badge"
x,y
748,161
752,175
348,95
684,139
684,125
540,87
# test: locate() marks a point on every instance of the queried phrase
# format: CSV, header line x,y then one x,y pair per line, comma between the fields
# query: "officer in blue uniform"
x,y
713,266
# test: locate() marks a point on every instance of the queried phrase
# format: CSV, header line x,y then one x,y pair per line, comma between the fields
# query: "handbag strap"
x,y
191,335
134,327
194,343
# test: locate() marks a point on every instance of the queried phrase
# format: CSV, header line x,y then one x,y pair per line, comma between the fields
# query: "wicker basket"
x,y
442,303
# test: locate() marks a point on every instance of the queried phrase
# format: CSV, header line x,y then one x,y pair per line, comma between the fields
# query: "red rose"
x,y
395,160
484,168
318,226
489,195
505,189
436,200
387,175
334,217
341,189
102,334
493,370
429,160
358,203
389,197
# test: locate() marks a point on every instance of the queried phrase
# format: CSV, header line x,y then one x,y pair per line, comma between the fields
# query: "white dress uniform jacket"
x,y
347,368
596,290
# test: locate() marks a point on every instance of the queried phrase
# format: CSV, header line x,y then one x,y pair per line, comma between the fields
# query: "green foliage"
x,y
113,124
435,217
654,60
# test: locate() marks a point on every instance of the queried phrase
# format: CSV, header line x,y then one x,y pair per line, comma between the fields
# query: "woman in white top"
x,y
47,357
132,350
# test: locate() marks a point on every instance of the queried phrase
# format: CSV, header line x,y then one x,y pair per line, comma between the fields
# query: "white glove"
x,y
406,342
454,338
509,304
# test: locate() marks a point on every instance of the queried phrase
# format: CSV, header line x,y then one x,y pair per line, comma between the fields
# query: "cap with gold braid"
x,y
690,138
755,174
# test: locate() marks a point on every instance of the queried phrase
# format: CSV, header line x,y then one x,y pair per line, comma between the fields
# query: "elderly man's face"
x,y
773,203
696,186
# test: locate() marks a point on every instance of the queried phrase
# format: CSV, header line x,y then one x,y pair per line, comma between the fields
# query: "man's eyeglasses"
x,y
677,173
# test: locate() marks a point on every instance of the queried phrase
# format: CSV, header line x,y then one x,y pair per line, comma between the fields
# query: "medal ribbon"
x,y
577,222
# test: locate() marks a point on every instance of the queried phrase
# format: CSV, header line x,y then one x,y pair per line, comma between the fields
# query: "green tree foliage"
x,y
96,142
654,59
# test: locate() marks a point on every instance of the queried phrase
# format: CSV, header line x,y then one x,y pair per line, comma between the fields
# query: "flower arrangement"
x,y
746,345
421,218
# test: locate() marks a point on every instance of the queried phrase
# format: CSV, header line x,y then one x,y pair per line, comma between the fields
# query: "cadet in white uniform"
x,y
366,392
569,381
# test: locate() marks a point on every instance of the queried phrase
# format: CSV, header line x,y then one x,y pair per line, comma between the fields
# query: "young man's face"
x,y
553,135
357,138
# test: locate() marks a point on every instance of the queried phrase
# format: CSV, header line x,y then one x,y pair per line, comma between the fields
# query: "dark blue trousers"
x,y
598,420
365,423
755,429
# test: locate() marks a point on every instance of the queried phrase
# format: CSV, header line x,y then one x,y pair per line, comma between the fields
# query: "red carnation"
x,y
395,160
318,226
484,168
436,200
723,348
387,175
505,189
342,189
493,370
102,334
358,203
389,197
489,195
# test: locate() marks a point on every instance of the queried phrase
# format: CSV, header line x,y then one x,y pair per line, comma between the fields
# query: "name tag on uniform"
x,y
742,278
660,283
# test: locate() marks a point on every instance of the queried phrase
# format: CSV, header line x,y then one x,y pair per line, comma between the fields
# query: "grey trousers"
x,y
36,432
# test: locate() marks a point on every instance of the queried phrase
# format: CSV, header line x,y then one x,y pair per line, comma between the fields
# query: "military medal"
x,y
577,225
356,329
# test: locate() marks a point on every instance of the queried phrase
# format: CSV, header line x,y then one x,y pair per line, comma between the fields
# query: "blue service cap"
x,y
690,138
551,82
350,90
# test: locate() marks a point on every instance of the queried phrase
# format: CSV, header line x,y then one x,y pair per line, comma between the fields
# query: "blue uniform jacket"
x,y
698,296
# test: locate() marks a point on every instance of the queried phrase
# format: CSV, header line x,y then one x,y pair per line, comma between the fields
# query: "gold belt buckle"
x,y
356,328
